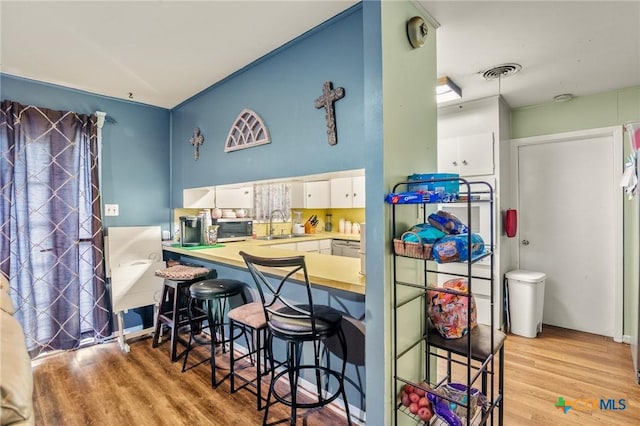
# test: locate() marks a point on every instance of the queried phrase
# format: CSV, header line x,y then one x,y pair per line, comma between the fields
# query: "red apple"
x,y
408,388
414,397
413,408
424,402
405,400
425,414
419,391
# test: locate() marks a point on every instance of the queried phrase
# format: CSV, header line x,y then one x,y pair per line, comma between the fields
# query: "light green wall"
x,y
409,131
588,112
583,112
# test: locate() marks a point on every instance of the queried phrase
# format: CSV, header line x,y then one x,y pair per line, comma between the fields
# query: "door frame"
x,y
616,134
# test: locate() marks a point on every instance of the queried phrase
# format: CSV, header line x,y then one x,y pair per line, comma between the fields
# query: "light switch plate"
x,y
111,209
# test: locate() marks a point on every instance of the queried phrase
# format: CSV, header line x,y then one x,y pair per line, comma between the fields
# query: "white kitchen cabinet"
x,y
324,247
348,192
285,246
315,246
311,195
488,120
199,198
312,246
470,155
239,197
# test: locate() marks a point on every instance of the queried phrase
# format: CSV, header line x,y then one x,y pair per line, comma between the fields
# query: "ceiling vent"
x,y
501,71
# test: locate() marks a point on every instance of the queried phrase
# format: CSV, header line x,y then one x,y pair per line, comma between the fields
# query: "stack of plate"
x,y
228,214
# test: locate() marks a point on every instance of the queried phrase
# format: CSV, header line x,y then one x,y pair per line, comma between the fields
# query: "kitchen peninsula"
x,y
335,280
333,272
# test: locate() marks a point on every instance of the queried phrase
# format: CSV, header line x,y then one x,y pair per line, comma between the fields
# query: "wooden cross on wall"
x,y
196,140
326,101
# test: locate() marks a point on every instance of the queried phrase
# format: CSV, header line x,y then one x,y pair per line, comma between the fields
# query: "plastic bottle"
x,y
341,226
348,228
355,228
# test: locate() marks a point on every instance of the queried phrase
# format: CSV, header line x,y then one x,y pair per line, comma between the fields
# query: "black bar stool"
x,y
298,323
172,312
214,296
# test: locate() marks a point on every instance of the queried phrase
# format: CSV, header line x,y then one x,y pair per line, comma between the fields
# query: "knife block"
x,y
309,229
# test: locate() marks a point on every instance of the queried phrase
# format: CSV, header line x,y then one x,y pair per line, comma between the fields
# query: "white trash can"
x,y
526,300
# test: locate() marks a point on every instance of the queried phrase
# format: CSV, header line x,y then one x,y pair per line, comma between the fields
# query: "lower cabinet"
x,y
315,246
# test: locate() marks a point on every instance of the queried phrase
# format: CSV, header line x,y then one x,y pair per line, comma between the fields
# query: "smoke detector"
x,y
501,71
563,97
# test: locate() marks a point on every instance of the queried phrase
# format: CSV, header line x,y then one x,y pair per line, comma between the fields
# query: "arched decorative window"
x,y
248,130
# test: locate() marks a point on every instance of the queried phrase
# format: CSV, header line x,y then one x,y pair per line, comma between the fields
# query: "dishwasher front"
x,y
345,248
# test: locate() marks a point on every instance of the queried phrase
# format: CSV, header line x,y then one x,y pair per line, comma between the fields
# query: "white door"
x,y
570,221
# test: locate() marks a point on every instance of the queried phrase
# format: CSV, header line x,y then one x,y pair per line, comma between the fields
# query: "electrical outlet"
x,y
111,210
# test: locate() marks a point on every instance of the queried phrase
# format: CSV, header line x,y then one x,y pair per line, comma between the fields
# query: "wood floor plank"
x,y
101,385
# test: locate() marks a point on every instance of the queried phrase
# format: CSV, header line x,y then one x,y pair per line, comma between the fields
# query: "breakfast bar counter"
x,y
336,272
335,281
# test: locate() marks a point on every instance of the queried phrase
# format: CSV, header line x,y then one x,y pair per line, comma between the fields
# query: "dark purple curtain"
x,y
51,244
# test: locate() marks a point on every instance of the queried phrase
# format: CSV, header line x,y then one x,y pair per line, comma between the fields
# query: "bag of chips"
x,y
449,312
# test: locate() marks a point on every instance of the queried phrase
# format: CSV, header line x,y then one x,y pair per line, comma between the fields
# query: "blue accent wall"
x,y
281,88
135,147
148,159
378,337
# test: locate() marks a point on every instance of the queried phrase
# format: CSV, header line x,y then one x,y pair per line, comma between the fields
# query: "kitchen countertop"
x,y
337,272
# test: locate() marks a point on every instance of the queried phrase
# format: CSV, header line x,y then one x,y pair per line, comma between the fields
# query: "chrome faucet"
x,y
271,219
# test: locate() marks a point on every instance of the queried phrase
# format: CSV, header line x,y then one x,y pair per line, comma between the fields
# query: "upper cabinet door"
x,y
448,156
317,194
476,154
310,195
341,193
348,192
358,190
467,155
234,197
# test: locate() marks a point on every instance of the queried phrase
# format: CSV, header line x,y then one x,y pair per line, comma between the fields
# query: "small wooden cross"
x,y
326,101
196,140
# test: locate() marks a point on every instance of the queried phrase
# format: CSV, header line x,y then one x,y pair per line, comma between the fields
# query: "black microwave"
x,y
234,229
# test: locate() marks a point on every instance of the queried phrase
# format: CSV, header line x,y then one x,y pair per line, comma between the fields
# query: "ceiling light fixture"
x,y
447,90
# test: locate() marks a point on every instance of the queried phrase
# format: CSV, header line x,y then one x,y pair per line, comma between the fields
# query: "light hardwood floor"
x,y
102,386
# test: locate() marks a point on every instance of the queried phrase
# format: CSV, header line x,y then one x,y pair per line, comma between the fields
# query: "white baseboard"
x,y
626,339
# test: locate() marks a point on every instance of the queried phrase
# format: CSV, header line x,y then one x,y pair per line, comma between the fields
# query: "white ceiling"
x,y
578,47
163,52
